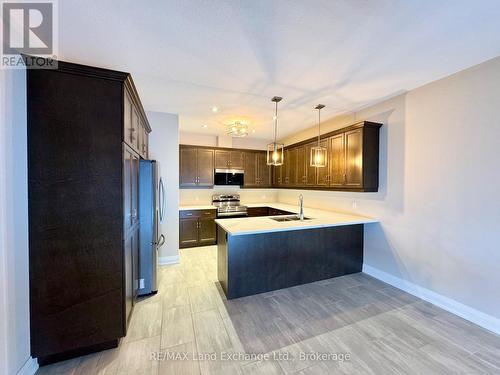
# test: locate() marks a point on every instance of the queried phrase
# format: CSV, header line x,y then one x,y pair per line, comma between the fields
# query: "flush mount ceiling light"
x,y
238,129
275,151
318,153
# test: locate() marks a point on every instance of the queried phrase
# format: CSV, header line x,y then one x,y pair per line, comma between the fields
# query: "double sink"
x,y
288,218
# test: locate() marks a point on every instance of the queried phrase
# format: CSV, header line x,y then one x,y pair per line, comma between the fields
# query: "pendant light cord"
x,y
319,126
275,123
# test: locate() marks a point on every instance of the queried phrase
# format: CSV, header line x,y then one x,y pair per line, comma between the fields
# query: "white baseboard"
x,y
475,316
29,367
163,261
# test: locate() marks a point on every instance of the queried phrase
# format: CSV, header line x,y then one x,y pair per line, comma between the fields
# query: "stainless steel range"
x,y
228,205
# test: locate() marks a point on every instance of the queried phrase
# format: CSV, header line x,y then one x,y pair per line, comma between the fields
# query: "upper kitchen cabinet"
x,y
264,170
301,166
229,159
257,172
83,130
354,156
294,167
336,160
251,169
352,162
196,166
136,128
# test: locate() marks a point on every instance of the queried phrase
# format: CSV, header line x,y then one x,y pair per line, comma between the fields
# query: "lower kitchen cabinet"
x,y
257,211
266,211
197,228
207,231
188,232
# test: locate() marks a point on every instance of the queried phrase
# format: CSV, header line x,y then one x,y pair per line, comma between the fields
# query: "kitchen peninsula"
x,y
261,254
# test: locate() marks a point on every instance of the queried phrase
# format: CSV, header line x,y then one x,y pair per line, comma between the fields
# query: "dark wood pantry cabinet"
x,y
87,131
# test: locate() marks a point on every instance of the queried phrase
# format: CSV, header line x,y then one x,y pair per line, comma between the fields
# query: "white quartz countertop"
x,y
202,207
264,224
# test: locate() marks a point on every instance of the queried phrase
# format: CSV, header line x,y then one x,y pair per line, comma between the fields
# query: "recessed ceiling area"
x,y
188,57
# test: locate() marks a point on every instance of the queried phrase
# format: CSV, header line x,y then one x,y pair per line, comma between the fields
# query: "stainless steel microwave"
x,y
229,177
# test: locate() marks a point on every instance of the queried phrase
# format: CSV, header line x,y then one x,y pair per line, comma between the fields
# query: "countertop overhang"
x,y
264,224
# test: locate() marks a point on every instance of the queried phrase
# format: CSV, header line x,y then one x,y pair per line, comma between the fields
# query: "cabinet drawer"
x,y
186,214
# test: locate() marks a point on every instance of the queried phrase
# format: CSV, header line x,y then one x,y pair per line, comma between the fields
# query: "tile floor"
x,y
358,324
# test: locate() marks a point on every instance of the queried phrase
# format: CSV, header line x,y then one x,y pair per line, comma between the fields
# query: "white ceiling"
x,y
187,56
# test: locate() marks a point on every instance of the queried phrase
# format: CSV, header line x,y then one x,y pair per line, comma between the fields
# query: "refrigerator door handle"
x,y
161,198
161,241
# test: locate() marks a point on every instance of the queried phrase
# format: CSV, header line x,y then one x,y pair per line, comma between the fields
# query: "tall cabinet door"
x,y
146,144
250,169
354,158
134,138
188,167
222,159
128,271
337,160
291,168
277,175
128,127
264,170
205,163
301,166
127,190
237,159
323,174
135,189
135,264
311,172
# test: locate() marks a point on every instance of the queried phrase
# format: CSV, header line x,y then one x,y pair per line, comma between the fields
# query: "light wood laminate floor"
x,y
382,329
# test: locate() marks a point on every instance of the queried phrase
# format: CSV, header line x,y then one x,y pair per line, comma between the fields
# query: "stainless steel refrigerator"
x,y
151,213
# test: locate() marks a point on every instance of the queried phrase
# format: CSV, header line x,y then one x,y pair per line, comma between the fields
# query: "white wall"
x,y
164,147
14,266
197,139
190,197
438,199
211,140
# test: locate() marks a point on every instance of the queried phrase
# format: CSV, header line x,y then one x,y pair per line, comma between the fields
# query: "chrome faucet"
x,y
301,205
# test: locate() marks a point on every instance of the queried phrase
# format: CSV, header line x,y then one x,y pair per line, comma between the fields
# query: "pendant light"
x,y
237,129
318,153
275,151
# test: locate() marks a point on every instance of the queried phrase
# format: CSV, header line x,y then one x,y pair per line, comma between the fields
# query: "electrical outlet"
x,y
354,204
141,283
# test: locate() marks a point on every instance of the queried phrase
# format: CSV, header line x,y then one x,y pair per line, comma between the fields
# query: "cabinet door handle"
x,y
189,214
